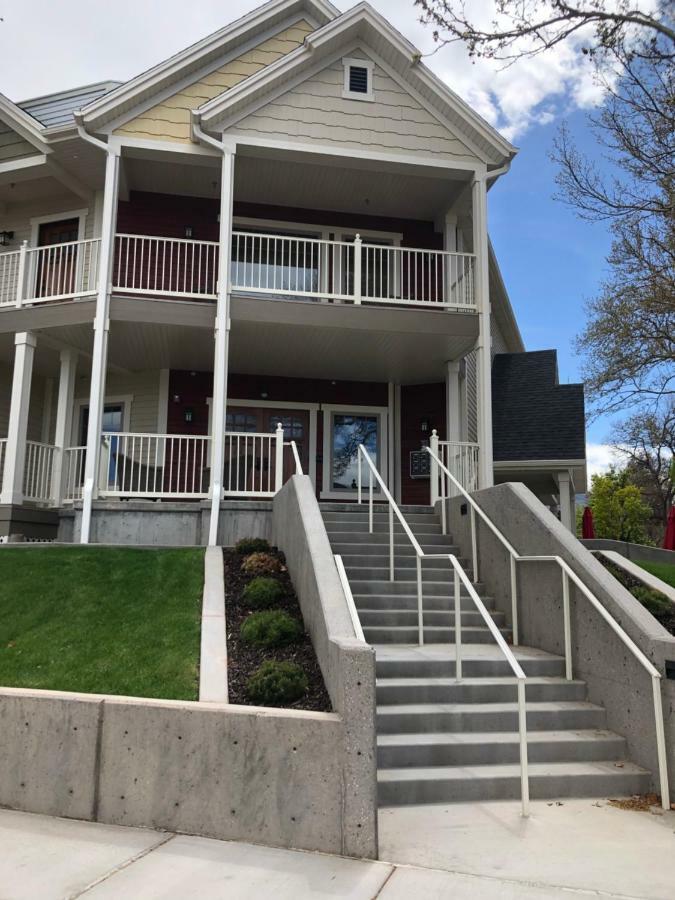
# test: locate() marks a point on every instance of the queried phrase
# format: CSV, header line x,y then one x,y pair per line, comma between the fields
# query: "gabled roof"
x,y
23,124
195,58
57,109
361,23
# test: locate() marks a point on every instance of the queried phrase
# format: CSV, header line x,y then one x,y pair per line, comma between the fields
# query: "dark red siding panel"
x,y
419,402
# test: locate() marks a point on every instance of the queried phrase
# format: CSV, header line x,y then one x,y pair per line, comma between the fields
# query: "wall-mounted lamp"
x,y
188,414
176,398
5,237
189,231
264,395
425,426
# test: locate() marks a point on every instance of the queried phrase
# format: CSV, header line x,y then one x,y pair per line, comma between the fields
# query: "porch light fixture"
x,y
189,231
5,237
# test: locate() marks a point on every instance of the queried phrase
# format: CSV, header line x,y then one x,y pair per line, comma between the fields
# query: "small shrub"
x,y
261,564
271,628
252,545
276,683
652,601
262,593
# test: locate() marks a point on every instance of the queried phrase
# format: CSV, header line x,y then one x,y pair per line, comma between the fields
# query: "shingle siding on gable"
x,y
393,122
534,417
170,119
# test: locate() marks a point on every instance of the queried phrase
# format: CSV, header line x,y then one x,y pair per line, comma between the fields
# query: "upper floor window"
x,y
358,81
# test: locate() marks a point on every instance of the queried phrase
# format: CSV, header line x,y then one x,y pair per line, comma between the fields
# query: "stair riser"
x,y
347,537
431,604
508,788
378,586
351,508
347,546
381,573
382,519
383,618
488,720
375,635
415,756
401,563
478,693
471,668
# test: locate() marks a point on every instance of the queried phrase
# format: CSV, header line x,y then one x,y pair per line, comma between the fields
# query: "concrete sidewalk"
x,y
55,859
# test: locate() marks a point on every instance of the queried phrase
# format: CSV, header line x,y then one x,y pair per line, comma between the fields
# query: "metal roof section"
x,y
57,109
361,23
270,17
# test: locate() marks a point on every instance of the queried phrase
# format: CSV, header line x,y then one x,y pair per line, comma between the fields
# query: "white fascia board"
x,y
26,162
24,125
503,309
543,464
168,70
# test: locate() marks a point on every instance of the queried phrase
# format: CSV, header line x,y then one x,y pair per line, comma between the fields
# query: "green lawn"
x,y
664,571
101,620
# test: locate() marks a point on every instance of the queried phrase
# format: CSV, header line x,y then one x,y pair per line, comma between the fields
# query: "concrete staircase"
x,y
442,741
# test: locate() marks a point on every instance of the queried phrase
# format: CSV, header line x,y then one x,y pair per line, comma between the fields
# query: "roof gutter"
x,y
84,134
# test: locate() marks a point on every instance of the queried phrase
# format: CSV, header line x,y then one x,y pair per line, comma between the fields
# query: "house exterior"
x,y
347,188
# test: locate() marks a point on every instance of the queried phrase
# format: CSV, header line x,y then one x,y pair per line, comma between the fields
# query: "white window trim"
x,y
36,221
383,413
123,400
368,64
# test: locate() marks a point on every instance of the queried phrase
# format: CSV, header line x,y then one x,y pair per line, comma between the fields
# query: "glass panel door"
x,y
348,431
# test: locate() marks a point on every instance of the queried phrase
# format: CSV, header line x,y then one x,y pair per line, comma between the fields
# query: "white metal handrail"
x,y
73,472
9,276
296,457
461,457
351,606
460,578
3,444
37,477
60,271
136,464
170,267
569,574
254,463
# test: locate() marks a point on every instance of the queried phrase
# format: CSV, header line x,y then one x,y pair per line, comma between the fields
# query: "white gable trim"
x,y
100,111
24,125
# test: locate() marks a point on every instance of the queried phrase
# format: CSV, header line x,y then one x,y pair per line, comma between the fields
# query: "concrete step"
x,y
388,618
421,718
496,748
347,546
433,634
385,587
478,661
448,784
401,573
443,602
382,538
406,564
381,517
475,690
362,527
327,506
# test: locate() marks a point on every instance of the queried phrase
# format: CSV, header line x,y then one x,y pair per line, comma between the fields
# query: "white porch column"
x,y
484,344
15,448
222,339
99,359
453,406
567,502
64,420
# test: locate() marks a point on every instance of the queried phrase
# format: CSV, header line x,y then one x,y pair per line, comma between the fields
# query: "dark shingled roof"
x,y
533,416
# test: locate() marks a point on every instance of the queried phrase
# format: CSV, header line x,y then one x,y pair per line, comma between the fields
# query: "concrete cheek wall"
x,y
615,679
348,665
228,772
634,552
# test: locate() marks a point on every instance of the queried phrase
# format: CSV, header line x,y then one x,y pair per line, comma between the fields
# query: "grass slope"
x,y
664,571
101,620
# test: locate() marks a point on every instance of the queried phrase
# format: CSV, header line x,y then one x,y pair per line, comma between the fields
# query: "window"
x,y
358,79
344,429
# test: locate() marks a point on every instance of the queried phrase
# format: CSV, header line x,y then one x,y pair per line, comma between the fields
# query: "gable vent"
x,y
358,80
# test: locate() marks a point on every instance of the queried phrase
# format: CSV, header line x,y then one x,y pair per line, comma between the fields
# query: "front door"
x,y
55,275
264,420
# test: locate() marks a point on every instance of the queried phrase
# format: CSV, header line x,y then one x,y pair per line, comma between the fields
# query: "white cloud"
x,y
47,46
599,457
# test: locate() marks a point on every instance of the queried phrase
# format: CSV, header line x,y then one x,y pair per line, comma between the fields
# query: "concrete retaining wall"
x,y
347,664
615,679
229,772
168,524
637,552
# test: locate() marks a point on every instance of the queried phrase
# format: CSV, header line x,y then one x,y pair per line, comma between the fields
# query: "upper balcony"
x,y
276,265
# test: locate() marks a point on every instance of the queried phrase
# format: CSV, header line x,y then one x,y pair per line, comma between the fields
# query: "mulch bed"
x,y
664,617
243,659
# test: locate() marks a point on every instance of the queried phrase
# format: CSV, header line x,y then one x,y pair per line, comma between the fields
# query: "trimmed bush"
x,y
261,564
252,545
652,600
277,683
271,628
262,593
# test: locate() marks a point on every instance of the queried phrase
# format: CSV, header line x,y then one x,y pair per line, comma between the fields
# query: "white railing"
x,y
53,272
461,458
254,463
3,444
460,579
296,457
9,276
73,472
134,464
567,574
351,606
37,476
168,267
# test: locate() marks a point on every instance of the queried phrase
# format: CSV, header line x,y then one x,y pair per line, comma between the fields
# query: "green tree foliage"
x,y
619,512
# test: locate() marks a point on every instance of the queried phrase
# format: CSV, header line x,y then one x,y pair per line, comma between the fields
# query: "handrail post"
x,y
474,546
458,628
370,501
434,472
661,742
391,543
567,625
358,246
21,274
522,733
514,601
358,473
420,612
279,459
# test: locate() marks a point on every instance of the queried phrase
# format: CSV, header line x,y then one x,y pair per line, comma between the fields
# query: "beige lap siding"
x,y
170,119
143,387
393,122
18,218
13,146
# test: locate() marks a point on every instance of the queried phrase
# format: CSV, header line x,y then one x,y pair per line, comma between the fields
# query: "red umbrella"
x,y
669,537
587,529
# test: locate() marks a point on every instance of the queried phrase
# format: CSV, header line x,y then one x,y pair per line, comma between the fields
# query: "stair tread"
x,y
501,706
446,653
432,738
511,770
487,680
